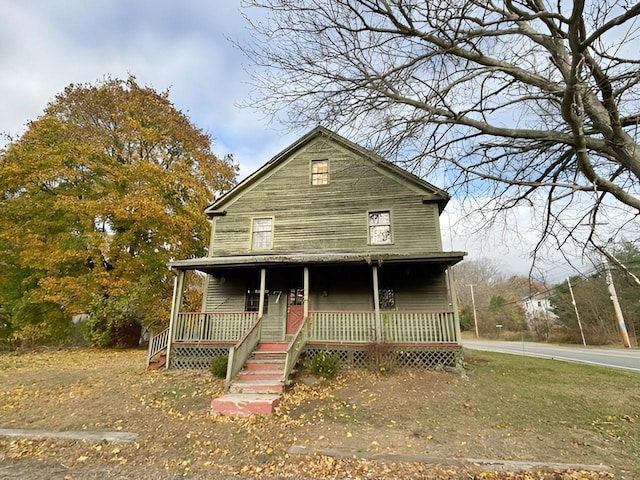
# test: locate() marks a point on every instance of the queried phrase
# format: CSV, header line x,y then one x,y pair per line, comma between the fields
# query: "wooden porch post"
x,y
305,300
454,303
176,303
376,303
263,278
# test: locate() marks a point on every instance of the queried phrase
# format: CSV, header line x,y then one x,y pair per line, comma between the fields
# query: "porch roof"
x,y
443,259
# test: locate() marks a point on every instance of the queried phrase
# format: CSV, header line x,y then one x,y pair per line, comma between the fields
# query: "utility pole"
x,y
475,316
613,295
616,304
575,307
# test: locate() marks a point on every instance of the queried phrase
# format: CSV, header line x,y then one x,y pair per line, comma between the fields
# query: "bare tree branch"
x,y
532,102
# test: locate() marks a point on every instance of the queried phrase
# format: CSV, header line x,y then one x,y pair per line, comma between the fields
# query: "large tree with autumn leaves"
x,y
99,193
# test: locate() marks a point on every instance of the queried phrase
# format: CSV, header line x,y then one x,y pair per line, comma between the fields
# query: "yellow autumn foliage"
x,y
100,192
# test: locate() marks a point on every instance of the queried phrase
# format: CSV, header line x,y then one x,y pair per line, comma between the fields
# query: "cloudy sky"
x,y
183,46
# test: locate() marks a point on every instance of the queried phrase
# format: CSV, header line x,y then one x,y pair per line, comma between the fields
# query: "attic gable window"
x,y
319,172
261,233
380,227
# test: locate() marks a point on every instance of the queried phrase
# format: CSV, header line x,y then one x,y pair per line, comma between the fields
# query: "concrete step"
x,y
243,405
256,386
275,375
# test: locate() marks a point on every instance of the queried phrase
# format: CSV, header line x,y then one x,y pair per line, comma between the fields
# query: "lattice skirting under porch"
x,y
196,356
351,356
412,357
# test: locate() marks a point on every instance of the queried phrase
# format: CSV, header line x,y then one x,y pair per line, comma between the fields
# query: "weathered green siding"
x,y
332,288
227,295
274,321
230,295
347,288
328,218
416,287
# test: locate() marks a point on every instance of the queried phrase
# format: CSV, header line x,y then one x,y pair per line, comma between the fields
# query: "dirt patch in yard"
x,y
434,414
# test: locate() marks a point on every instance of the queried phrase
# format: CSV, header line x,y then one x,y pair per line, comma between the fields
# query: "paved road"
x,y
624,359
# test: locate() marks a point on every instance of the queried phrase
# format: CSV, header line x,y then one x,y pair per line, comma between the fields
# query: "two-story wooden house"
x,y
327,246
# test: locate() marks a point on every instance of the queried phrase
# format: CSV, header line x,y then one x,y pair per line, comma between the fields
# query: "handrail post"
x,y
229,376
376,304
263,274
454,304
149,347
178,284
305,299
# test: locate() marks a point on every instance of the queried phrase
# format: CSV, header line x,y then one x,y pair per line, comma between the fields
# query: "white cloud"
x,y
163,43
45,46
509,241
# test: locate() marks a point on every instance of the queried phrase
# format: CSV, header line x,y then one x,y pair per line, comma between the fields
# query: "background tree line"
x,y
99,193
594,305
499,301
497,298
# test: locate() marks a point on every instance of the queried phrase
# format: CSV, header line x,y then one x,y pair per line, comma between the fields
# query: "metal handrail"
x,y
241,351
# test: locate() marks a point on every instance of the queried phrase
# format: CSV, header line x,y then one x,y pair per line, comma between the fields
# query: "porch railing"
x,y
295,347
210,326
397,326
342,326
429,326
241,351
419,327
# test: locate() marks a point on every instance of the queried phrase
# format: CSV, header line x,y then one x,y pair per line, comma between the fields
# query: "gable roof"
x,y
432,193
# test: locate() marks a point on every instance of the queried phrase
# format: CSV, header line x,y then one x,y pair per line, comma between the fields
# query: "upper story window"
x,y
319,172
380,227
262,233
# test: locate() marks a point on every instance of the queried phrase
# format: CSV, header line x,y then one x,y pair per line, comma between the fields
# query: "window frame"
x,y
387,299
254,231
313,176
369,227
252,301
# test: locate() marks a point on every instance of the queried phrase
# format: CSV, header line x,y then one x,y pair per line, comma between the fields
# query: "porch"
x,y
199,336
346,301
356,327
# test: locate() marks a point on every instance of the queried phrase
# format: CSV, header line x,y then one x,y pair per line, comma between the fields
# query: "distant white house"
x,y
537,307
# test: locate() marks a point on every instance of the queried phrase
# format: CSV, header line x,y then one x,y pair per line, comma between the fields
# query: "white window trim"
x,y
251,247
380,210
311,172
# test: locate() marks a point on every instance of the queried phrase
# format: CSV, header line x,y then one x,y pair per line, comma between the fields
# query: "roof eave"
x,y
211,263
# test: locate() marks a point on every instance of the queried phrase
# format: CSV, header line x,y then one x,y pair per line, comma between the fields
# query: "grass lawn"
x,y
506,407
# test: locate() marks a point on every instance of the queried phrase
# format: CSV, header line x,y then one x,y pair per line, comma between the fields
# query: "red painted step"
x,y
254,365
260,375
159,362
269,355
272,346
243,405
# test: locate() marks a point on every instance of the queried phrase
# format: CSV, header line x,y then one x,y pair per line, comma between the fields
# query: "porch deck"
x,y
197,337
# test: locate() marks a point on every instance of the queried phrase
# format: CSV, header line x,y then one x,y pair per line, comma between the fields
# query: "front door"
x,y
295,310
